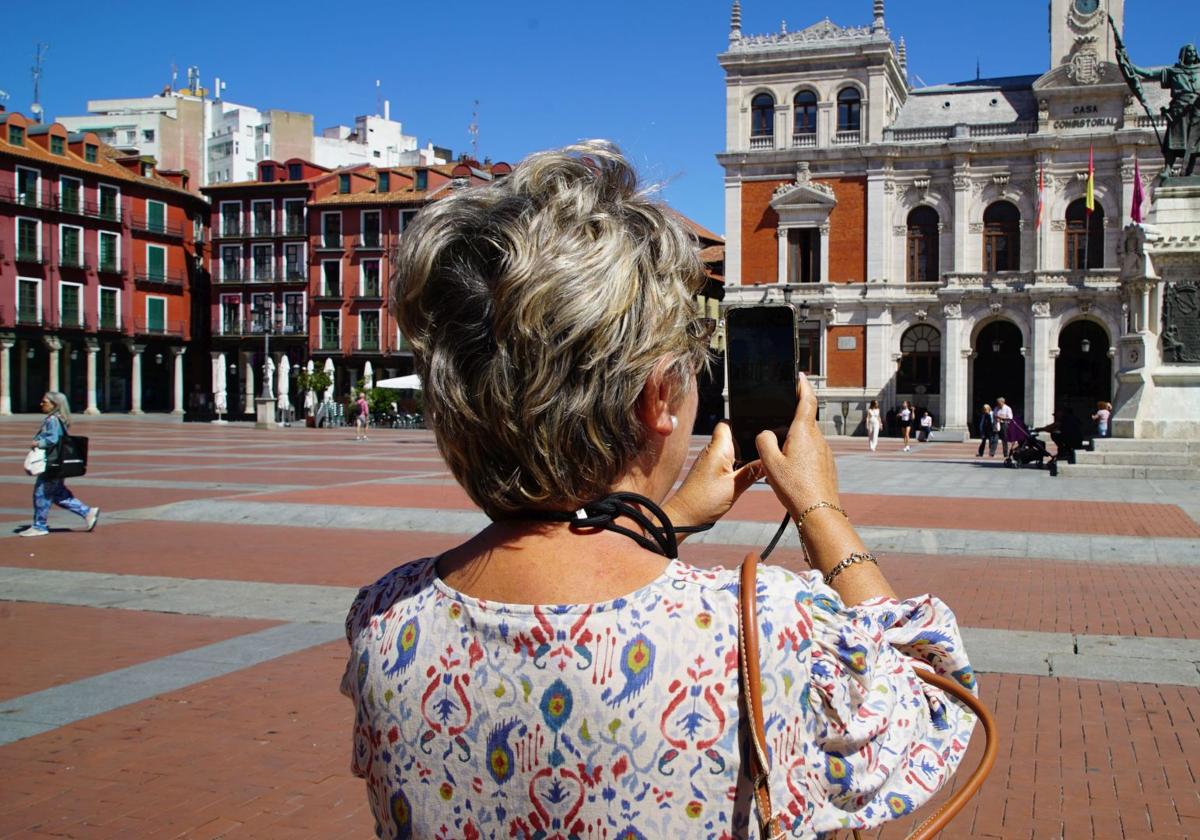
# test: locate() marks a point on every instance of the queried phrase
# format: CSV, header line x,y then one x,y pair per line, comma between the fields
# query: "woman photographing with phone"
x,y
546,674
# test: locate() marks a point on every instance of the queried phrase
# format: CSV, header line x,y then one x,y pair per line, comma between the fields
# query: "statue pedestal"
x,y
1158,390
264,408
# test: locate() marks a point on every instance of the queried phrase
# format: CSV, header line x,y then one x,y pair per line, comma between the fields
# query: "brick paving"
x,y
263,751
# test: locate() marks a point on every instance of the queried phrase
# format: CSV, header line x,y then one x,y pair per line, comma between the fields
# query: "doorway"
x,y
999,370
1083,369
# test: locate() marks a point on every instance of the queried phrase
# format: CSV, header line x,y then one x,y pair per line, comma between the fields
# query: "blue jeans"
x,y
47,491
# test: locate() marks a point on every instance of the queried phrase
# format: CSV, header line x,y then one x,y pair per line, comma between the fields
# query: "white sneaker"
x,y
91,518
906,449
32,531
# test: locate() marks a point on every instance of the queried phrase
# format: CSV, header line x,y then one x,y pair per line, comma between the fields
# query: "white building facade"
x,y
937,238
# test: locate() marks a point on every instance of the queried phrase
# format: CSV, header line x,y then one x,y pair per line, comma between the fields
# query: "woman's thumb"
x,y
768,448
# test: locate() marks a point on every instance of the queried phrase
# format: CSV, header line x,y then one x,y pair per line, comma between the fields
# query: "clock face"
x,y
1086,7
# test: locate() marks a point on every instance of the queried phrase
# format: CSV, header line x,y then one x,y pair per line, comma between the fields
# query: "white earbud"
x,y
674,422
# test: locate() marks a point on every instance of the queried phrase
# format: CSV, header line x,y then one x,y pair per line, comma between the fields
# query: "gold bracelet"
x,y
815,506
854,559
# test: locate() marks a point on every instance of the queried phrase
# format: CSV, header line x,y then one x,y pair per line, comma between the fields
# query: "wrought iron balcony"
x,y
157,227
170,279
143,326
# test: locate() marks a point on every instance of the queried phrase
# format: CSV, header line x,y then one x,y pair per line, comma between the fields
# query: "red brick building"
x,y
98,254
300,264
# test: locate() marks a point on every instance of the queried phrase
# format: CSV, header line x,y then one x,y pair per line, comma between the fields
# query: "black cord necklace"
x,y
660,537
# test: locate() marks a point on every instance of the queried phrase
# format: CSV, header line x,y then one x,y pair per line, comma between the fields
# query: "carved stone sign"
x,y
1181,323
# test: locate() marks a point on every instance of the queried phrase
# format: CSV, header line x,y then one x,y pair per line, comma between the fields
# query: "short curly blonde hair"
x,y
537,308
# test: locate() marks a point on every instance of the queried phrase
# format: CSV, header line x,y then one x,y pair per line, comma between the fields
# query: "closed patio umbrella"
x,y
284,400
220,397
328,396
369,375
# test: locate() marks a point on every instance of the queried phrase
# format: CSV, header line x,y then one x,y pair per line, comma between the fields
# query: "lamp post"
x,y
265,311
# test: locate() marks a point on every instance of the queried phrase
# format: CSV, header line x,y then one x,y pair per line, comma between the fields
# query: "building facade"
x,y
300,264
937,239
99,253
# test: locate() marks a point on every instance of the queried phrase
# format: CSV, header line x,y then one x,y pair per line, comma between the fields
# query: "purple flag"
x,y
1139,195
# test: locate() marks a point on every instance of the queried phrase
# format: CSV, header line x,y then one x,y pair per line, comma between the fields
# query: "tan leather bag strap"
x,y
760,768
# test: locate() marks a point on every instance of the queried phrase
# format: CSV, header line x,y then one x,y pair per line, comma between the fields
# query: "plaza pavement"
x,y
175,673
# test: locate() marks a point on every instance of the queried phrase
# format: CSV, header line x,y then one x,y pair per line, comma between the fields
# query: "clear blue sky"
x,y
644,73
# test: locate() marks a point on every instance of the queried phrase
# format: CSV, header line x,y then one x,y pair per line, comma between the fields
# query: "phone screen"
x,y
760,358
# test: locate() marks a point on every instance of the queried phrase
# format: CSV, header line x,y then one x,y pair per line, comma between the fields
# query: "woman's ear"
x,y
654,405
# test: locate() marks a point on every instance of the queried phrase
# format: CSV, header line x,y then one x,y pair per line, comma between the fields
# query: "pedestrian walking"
x,y
362,417
874,423
987,432
1004,416
1102,417
905,417
48,488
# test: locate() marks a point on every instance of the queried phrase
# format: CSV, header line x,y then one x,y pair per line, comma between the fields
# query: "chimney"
x,y
387,109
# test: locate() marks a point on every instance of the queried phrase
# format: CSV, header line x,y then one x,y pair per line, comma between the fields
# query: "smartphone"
x,y
760,369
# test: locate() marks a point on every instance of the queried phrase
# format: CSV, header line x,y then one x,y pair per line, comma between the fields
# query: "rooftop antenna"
x,y
39,56
473,130
378,99
174,75
977,73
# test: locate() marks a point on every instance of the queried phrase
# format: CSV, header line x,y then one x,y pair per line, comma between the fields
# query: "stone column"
x,y
6,344
135,379
53,344
93,347
824,278
879,194
962,188
955,358
1040,408
783,126
826,117
781,266
177,353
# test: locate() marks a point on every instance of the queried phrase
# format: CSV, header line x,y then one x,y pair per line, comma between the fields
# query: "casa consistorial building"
x,y
936,241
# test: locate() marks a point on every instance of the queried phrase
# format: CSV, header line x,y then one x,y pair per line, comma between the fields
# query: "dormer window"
x,y
385,182
90,152
145,170
343,183
268,172
16,135
58,145
422,179
295,172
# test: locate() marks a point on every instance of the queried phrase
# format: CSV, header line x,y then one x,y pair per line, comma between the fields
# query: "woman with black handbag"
x,y
50,487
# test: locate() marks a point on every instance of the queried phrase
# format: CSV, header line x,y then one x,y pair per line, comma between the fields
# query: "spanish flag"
x,y
1091,184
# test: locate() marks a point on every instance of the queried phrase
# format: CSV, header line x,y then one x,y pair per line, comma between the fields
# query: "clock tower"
x,y
1081,39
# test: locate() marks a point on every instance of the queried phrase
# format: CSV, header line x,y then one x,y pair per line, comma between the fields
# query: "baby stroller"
x,y
1029,449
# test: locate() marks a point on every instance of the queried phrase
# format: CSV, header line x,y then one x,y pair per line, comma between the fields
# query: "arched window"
x,y
1002,237
849,110
1085,236
922,245
804,113
920,361
762,115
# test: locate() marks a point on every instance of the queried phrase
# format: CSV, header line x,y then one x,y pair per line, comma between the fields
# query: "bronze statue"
x,y
1182,139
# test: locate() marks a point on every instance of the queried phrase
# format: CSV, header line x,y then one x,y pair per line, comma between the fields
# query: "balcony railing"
x,y
847,138
142,326
763,143
329,292
170,279
293,227
288,327
228,229
330,241
370,292
229,275
294,274
108,322
34,255
76,260
71,321
263,228
230,327
370,241
936,134
23,198
142,224
29,315
369,345
109,266
330,343
808,140
102,210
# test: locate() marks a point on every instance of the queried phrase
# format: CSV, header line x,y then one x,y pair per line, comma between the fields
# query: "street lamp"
x,y
804,311
1085,346
996,345
265,309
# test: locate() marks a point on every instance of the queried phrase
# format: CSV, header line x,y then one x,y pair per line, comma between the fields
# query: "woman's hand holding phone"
x,y
803,472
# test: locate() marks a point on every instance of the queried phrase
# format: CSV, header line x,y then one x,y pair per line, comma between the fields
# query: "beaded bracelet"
x,y
854,559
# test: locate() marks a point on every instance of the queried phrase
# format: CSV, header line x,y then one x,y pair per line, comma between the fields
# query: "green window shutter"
x,y
156,263
70,305
108,252
156,315
70,195
27,238
70,246
108,308
156,216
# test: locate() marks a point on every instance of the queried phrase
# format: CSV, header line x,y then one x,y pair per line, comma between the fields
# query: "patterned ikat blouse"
x,y
620,719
